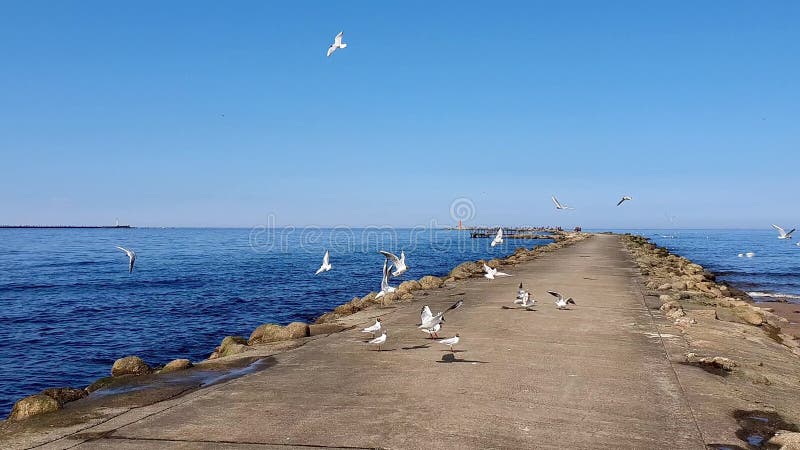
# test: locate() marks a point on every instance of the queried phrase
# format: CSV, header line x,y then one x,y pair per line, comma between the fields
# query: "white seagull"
x,y
385,288
337,43
434,331
372,329
492,273
520,292
399,263
623,199
559,205
526,300
498,239
326,264
131,257
429,321
378,340
560,301
783,234
748,254
450,342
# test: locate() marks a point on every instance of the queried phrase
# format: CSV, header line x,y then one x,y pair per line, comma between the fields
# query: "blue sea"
x,y
69,307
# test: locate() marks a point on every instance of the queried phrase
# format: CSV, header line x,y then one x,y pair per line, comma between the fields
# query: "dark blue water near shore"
x,y
69,307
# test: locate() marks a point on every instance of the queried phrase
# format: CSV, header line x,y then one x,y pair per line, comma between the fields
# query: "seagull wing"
x,y
556,294
455,305
499,234
391,256
780,230
486,268
338,39
620,202
385,279
326,258
790,233
426,314
555,201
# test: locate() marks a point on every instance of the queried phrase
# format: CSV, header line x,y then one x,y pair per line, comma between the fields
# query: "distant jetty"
x,y
510,232
67,226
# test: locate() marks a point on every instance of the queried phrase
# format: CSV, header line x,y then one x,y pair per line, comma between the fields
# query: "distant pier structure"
x,y
509,232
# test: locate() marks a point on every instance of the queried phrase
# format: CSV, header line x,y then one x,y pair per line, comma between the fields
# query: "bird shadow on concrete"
x,y
451,358
519,308
454,351
417,347
384,350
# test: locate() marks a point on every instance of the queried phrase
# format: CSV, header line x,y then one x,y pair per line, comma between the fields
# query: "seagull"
x,y
450,342
337,43
499,238
520,291
433,331
326,264
526,300
385,288
748,254
399,263
559,205
623,199
491,273
131,257
431,320
783,234
378,340
560,302
373,328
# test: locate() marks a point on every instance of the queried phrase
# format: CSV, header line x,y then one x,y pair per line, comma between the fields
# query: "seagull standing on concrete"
x,y
429,321
623,199
378,340
498,239
559,205
337,43
561,303
385,288
783,234
398,263
372,329
450,342
434,331
492,273
526,300
131,257
520,292
326,264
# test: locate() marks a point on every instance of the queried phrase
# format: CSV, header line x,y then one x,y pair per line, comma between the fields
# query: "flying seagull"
x,y
560,301
623,199
131,257
450,342
559,205
783,234
378,340
399,263
372,329
498,239
326,264
492,273
385,288
337,43
429,320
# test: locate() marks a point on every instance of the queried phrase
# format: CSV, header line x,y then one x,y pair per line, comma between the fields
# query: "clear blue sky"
x,y
115,109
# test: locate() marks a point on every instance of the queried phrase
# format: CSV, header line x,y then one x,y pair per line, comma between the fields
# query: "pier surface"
x,y
603,374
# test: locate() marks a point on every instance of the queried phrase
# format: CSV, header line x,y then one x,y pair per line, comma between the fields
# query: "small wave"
x,y
757,294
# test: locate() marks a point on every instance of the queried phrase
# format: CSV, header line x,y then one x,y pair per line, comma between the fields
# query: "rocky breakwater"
x,y
716,327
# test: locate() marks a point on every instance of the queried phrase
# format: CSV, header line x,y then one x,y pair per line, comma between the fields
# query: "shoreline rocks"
x,y
130,365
